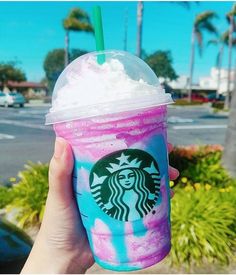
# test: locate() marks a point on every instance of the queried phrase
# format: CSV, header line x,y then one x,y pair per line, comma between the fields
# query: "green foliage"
x,y
184,102
74,53
219,105
203,227
200,165
77,20
203,22
29,194
54,64
8,71
203,209
161,64
6,196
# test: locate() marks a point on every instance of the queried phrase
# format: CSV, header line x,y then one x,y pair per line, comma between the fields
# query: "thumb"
x,y
60,173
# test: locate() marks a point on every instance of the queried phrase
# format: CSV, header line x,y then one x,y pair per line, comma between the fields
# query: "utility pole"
x,y
139,27
125,29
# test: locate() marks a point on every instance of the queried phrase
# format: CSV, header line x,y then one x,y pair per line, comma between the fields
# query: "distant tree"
x,y
9,71
161,64
144,54
54,64
220,42
77,21
74,53
202,22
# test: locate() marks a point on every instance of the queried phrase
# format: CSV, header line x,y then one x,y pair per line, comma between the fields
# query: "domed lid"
x,y
123,82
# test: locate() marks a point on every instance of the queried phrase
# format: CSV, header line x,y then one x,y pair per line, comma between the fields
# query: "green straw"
x,y
98,33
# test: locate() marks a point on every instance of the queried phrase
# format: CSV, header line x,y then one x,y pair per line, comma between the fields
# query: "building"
x,y
28,89
207,84
212,80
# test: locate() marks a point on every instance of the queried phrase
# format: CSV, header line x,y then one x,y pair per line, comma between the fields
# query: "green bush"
x,y
203,209
203,227
29,195
200,164
185,102
6,196
218,105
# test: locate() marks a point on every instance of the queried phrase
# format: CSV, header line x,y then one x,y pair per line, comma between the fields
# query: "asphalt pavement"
x,y
196,125
24,137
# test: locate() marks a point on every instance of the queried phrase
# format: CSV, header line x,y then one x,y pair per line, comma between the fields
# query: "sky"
x,y
29,30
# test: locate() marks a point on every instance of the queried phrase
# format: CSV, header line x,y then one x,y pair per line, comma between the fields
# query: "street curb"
x,y
38,105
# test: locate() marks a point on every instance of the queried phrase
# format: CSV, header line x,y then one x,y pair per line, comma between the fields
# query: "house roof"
x,y
25,84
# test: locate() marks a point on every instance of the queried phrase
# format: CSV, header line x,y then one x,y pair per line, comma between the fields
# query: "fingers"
x,y
173,173
60,172
170,147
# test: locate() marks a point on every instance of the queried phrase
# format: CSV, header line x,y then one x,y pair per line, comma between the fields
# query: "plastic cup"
x,y
121,162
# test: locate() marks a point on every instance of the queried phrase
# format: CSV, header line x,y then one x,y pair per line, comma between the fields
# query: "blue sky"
x,y
29,30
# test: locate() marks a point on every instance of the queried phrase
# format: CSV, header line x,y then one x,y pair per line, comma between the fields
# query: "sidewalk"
x,y
37,103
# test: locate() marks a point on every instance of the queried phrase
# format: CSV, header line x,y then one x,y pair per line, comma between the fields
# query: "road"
x,y
23,136
195,125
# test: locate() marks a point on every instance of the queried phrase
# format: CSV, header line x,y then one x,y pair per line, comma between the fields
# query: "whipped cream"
x,y
86,88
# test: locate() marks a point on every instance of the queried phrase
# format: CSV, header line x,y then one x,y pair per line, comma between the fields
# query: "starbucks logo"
x,y
126,184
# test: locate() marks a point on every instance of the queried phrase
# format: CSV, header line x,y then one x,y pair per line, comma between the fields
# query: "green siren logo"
x,y
126,184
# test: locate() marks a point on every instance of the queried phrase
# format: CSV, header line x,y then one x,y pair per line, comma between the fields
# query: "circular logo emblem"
x,y
126,184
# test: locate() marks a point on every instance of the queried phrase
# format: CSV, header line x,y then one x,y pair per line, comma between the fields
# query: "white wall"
x,y
206,82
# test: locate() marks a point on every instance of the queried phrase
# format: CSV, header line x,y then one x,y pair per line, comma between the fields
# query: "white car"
x,y
11,99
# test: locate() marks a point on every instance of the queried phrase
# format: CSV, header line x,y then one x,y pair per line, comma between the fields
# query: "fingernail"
x,y
59,148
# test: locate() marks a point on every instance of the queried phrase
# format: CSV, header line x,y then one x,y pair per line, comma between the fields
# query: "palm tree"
x,y
230,17
202,23
220,41
140,27
77,20
140,8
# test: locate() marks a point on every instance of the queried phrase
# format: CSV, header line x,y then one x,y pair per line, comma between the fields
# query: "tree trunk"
x,y
140,27
219,70
191,65
229,62
229,155
67,48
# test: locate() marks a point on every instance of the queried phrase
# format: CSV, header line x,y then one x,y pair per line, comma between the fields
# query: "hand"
x,y
61,245
173,173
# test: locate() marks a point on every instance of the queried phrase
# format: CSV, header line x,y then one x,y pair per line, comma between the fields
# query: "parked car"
x,y
212,97
197,98
205,98
15,246
11,99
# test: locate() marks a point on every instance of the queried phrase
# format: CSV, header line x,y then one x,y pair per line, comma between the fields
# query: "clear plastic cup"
x,y
114,117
